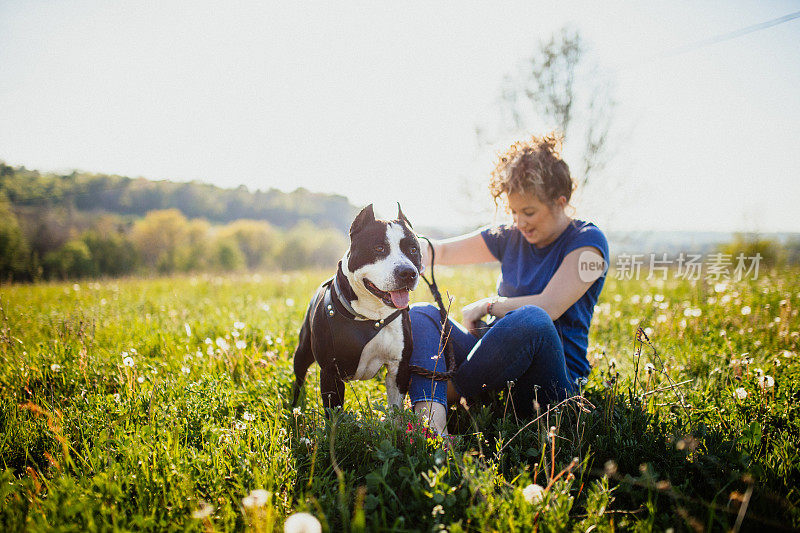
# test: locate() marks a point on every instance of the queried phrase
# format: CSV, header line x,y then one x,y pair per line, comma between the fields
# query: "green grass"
x,y
88,443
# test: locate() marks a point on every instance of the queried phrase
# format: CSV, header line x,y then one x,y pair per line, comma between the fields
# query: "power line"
x,y
728,36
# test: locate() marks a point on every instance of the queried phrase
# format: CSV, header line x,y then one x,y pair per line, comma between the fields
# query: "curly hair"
x,y
533,166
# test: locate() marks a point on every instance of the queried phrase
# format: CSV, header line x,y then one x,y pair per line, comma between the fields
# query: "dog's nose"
x,y
406,274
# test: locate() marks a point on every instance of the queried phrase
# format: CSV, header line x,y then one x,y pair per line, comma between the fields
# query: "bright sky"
x,y
379,100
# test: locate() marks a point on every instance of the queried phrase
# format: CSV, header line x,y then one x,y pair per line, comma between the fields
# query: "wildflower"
x,y
222,344
140,379
185,369
241,345
305,440
658,297
55,368
720,287
612,364
210,350
302,523
289,302
649,368
128,361
633,321
257,498
247,416
238,325
188,329
204,511
746,310
648,331
533,493
235,334
133,351
76,287
766,382
740,393
758,372
296,411
661,318
208,341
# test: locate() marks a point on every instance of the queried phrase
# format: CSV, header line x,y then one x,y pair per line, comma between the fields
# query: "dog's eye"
x,y
413,249
380,249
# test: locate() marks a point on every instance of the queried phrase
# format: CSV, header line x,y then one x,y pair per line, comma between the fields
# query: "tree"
x,y
558,88
158,236
13,247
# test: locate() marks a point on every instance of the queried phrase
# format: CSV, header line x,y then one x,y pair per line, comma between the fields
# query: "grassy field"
x,y
161,404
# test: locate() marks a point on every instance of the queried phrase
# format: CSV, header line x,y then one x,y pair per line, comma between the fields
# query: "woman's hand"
x,y
474,312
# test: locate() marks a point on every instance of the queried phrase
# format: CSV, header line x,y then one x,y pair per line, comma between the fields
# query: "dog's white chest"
x,y
386,348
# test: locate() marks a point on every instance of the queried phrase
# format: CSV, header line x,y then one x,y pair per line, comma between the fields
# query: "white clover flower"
x,y
533,493
740,393
185,369
238,325
55,368
302,523
188,329
746,310
128,361
241,345
766,382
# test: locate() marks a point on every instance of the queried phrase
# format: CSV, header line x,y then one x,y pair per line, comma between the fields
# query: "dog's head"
x,y
384,260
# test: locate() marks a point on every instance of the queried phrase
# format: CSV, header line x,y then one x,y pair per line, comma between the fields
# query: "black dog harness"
x,y
350,331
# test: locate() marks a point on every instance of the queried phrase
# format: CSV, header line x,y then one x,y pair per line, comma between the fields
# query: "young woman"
x,y
552,272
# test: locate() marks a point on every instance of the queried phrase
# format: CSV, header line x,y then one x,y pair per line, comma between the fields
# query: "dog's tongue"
x,y
400,298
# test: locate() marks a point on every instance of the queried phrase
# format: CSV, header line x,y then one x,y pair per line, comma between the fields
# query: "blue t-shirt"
x,y
526,270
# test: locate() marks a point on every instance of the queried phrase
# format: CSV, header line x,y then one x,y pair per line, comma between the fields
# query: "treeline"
x,y
137,197
51,230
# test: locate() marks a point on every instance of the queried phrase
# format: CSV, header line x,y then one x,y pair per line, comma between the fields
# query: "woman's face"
x,y
539,223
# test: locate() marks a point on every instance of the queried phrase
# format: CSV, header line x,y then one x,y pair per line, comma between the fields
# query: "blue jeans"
x,y
523,347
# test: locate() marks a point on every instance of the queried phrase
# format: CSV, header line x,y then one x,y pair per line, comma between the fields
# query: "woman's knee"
x,y
531,316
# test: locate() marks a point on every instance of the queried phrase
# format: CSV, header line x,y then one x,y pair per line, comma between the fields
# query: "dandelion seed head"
x,y
533,493
302,523
185,369
55,368
766,382
238,325
740,393
746,310
128,361
241,345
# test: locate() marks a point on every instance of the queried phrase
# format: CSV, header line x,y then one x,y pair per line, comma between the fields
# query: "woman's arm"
x,y
462,250
564,289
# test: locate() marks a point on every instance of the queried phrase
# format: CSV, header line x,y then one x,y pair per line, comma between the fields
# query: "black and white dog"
x,y
358,321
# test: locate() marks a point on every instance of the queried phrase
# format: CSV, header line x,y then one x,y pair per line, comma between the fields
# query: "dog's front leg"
x,y
394,396
332,388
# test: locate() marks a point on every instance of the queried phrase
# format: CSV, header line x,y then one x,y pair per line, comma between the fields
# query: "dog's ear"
x,y
401,217
364,217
